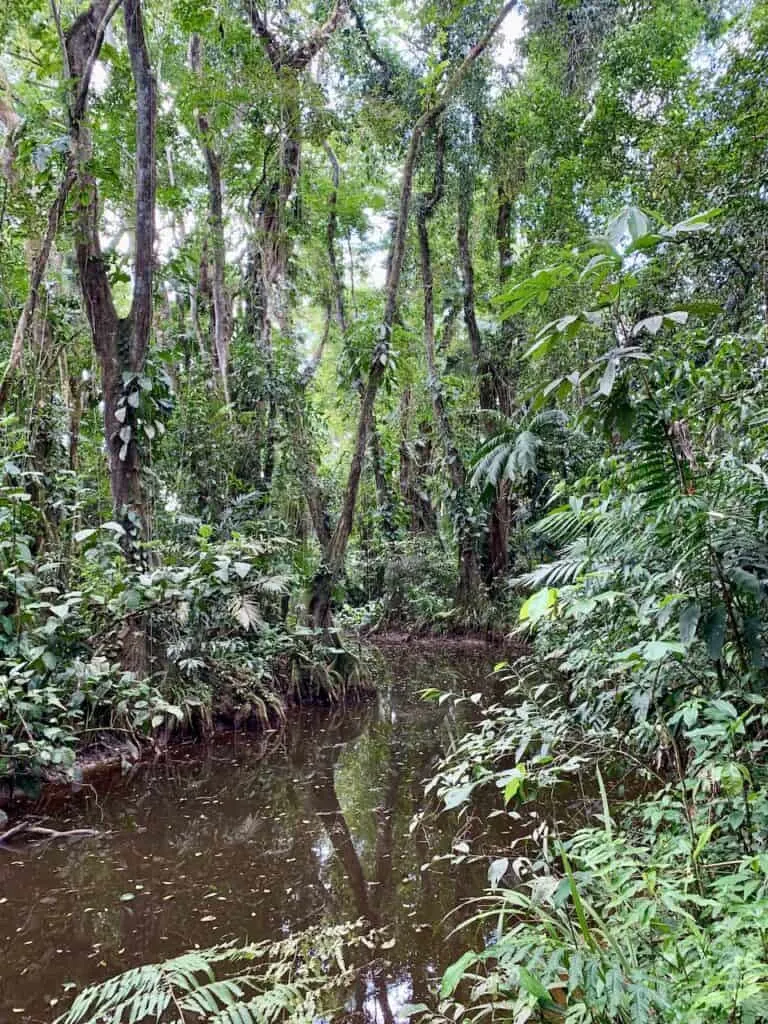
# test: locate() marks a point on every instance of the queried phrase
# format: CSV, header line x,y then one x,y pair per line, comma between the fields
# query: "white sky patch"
x,y
510,34
99,78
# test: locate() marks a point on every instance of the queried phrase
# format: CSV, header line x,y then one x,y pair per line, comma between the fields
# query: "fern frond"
x,y
290,980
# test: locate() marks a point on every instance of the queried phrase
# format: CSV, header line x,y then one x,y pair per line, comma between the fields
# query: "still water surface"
x,y
254,838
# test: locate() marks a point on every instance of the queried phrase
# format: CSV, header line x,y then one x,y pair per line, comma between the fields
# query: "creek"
x,y
254,837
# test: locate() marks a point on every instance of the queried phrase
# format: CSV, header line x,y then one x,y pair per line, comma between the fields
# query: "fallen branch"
x,y
26,828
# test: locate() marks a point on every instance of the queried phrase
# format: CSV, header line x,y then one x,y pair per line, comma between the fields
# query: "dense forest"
x,y
323,321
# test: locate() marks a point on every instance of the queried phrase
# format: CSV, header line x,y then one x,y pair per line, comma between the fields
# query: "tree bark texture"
x,y
490,386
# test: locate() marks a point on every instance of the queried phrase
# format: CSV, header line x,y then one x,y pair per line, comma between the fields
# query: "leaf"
x,y
698,222
513,781
453,974
655,650
637,223
745,580
680,316
497,870
114,528
651,324
609,376
533,986
606,807
713,631
457,795
703,840
409,1009
538,605
246,612
83,535
577,901
689,620
649,651
600,262
647,241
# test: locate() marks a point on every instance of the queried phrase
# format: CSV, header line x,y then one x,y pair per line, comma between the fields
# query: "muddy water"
x,y
251,839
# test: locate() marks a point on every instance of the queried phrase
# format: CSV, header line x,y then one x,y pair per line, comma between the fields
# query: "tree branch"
x,y
299,58
296,59
36,280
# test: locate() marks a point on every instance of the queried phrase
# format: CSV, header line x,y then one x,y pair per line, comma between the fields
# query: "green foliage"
x,y
296,979
581,459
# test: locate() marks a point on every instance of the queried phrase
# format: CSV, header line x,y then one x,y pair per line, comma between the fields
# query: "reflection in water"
x,y
255,839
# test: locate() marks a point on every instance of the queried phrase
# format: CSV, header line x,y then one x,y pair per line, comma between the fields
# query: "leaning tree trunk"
x,y
320,611
36,276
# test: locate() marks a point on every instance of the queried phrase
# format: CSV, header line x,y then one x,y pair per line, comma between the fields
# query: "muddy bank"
x,y
113,754
235,706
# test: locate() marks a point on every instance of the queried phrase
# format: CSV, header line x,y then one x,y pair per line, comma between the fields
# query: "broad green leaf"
x,y
609,376
689,620
533,986
457,795
713,631
453,975
538,605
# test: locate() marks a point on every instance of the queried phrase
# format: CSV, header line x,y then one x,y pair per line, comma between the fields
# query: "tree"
x,y
121,343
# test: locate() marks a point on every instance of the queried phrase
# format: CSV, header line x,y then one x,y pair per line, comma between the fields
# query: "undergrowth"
x,y
214,638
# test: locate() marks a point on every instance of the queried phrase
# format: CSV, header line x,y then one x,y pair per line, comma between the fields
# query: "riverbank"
x,y
107,751
248,835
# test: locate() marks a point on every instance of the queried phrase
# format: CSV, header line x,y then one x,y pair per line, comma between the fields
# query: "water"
x,y
253,838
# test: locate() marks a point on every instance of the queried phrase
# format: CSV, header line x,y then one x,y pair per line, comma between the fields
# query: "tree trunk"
x,y
382,484
35,281
337,549
468,579
412,471
496,561
269,258
120,344
222,320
